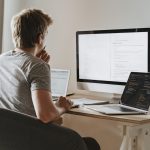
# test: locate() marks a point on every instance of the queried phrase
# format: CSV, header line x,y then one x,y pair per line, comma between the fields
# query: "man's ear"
x,y
39,39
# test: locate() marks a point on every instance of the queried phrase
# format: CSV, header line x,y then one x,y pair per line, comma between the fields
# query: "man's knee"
x,y
91,143
76,142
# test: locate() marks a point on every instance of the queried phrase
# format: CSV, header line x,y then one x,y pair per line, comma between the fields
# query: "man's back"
x,y
16,76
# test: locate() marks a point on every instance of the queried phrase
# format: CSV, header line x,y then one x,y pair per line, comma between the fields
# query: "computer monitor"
x,y
105,58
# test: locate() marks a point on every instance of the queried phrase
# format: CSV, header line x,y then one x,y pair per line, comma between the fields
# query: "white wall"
x,y
10,8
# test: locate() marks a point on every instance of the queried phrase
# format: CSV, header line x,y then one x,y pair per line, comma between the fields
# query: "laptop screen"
x,y
59,82
137,91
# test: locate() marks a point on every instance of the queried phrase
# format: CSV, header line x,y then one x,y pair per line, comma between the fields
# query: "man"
x,y
25,73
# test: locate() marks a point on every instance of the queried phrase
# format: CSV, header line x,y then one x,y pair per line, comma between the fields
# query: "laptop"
x,y
135,98
59,82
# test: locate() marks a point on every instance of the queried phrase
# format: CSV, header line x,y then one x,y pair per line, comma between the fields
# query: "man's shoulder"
x,y
35,63
7,53
29,58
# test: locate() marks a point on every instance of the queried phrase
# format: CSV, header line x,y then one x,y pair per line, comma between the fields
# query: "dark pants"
x,y
91,143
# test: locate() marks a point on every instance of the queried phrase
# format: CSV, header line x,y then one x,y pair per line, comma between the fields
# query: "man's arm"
x,y
44,107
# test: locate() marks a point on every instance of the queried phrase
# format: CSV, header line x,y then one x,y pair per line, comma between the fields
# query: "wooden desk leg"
x,y
144,138
136,137
129,141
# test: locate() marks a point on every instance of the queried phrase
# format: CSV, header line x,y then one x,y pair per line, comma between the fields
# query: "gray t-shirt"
x,y
21,73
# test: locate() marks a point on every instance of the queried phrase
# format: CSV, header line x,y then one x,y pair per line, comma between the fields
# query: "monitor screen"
x,y
105,58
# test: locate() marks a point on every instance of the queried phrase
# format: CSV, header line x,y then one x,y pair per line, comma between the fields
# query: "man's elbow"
x,y
46,118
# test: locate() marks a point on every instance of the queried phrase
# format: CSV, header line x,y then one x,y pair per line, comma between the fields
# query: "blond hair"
x,y
27,26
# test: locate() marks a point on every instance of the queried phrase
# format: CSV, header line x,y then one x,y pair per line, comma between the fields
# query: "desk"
x,y
136,128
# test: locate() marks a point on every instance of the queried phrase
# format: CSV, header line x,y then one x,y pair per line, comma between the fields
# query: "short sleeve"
x,y
39,77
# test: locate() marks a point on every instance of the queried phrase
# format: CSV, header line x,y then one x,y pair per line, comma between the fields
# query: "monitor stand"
x,y
116,98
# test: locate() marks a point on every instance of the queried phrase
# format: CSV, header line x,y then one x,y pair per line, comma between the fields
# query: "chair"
x,y
22,132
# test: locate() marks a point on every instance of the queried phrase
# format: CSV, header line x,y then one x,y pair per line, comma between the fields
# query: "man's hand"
x,y
43,55
65,103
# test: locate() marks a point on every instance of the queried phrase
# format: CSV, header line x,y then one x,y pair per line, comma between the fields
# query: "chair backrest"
x,y
22,132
